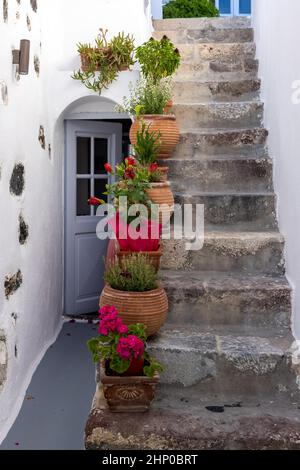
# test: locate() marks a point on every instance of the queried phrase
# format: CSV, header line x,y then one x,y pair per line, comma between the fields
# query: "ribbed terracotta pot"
x,y
153,256
164,170
166,125
161,194
150,308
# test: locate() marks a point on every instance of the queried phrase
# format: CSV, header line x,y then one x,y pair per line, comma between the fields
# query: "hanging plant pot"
x,y
150,307
154,257
123,394
166,125
161,194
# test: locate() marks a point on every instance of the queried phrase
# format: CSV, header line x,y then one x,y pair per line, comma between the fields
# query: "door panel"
x,y
89,145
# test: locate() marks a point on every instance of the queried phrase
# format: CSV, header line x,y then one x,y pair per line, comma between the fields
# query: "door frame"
x,y
73,123
234,9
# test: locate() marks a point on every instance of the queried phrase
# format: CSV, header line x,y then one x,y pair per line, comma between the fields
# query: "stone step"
x,y
238,115
218,70
237,22
182,422
229,174
185,35
194,144
210,299
253,210
224,362
236,252
229,54
196,91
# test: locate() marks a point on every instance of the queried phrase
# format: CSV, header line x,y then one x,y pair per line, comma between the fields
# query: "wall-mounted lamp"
x,y
21,57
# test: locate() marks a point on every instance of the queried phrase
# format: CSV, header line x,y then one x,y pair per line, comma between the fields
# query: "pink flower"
x,y
110,322
153,167
130,347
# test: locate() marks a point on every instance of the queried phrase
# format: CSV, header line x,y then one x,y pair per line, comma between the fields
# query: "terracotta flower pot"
x,y
86,62
168,107
150,307
164,170
153,256
128,394
161,194
166,125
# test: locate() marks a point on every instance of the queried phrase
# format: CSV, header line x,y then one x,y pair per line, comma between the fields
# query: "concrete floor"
x,y
59,398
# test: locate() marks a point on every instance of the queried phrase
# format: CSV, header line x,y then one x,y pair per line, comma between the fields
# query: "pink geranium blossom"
x,y
130,347
110,322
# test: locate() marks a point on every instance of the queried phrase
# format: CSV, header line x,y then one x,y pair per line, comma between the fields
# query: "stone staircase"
x,y
228,335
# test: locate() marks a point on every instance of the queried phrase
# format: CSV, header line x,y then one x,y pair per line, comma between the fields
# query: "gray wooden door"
x,y
89,145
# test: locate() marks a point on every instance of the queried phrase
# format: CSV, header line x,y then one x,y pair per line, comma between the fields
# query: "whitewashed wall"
x,y
32,317
277,36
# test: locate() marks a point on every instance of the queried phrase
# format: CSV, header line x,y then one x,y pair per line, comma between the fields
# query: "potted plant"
x,y
127,372
148,100
133,288
159,59
101,63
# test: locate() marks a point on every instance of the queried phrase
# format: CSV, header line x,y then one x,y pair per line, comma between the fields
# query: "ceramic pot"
x,y
161,194
166,125
150,307
128,394
153,256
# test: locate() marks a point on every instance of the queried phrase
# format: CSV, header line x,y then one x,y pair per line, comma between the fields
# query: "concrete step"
x,y
223,210
196,91
208,52
215,24
229,174
225,251
234,69
224,362
205,34
238,115
195,144
178,421
210,299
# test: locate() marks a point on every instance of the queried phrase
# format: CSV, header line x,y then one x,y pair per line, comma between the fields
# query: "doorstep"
x,y
178,423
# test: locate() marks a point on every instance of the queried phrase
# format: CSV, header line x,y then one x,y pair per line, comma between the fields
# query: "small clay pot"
x,y
161,194
166,125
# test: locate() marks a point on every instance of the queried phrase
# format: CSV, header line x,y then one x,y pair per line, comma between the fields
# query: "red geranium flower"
x,y
129,174
130,161
108,168
130,347
94,201
153,167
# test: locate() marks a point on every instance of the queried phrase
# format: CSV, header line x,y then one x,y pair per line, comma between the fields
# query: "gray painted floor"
x,y
59,398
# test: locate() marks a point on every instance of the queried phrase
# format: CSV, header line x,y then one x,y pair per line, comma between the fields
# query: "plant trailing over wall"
x,y
121,346
101,64
147,97
158,59
190,9
135,274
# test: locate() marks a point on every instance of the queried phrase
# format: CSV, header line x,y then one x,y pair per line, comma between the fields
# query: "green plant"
x,y
102,63
190,9
135,275
158,59
119,345
147,97
147,145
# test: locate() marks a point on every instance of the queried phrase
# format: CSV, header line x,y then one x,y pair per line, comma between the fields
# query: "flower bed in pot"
x,y
133,288
128,373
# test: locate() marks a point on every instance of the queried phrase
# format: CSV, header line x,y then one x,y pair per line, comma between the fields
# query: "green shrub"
x,y
190,9
158,59
135,275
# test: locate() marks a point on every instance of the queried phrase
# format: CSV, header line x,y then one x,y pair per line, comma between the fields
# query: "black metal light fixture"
x,y
21,56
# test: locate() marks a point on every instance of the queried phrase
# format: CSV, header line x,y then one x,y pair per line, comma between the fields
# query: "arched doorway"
x,y
93,134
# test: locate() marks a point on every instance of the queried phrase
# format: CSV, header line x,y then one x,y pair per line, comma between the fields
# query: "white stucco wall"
x,y
277,35
56,28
